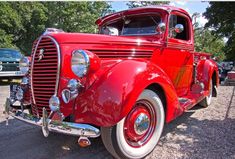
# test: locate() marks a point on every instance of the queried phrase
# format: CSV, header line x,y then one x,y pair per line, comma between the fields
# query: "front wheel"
x,y
136,135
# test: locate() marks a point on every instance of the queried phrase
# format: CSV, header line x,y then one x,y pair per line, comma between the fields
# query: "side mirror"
x,y
179,28
161,28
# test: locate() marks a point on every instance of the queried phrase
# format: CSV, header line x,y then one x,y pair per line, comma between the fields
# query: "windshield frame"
x,y
159,14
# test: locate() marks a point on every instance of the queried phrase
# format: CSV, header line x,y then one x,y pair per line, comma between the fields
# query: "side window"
x,y
176,19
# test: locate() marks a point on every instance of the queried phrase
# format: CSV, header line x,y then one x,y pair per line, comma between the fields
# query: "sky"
x,y
189,6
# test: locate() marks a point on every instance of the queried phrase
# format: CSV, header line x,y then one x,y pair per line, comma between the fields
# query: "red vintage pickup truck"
x,y
124,83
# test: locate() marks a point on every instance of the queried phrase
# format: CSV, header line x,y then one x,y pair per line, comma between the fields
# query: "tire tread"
x,y
106,136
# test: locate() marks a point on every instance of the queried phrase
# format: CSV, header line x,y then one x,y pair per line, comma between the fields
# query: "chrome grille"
x,y
44,73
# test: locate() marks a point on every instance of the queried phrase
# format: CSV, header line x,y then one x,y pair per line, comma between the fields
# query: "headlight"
x,y
80,63
24,65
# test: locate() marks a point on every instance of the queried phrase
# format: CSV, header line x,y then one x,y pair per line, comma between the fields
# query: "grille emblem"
x,y
40,55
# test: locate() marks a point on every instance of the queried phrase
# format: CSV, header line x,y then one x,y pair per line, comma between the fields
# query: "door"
x,y
178,53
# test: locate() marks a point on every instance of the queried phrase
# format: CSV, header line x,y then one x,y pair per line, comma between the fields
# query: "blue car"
x,y
9,64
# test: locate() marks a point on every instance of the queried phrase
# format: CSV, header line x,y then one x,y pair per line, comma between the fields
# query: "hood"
x,y
73,38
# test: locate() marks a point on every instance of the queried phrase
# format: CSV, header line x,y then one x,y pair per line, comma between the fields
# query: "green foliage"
x,y
134,4
5,40
205,41
222,20
75,16
22,22
33,18
9,20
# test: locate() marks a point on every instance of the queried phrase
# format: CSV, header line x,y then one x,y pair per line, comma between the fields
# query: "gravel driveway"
x,y
199,133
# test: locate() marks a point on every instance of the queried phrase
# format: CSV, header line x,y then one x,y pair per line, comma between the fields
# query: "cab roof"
x,y
166,8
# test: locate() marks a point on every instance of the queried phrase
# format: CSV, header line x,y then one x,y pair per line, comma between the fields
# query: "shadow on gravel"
x,y
19,140
202,138
230,103
196,139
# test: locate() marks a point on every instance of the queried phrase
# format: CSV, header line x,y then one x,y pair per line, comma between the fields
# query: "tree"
x,y
75,16
32,17
22,22
134,4
6,40
9,24
205,41
221,19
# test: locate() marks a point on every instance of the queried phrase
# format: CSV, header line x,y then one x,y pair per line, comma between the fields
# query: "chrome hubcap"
x,y
142,123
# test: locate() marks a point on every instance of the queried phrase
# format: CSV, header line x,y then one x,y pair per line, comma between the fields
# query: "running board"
x,y
185,102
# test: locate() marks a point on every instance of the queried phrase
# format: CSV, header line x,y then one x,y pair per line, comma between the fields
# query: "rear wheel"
x,y
208,99
136,135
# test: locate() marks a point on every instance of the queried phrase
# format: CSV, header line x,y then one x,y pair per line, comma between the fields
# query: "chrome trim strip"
x,y
11,73
58,65
31,71
67,128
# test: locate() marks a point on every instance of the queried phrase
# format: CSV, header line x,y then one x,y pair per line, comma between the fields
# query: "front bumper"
x,y
49,125
11,74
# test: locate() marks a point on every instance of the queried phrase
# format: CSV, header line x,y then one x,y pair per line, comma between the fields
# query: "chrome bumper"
x,y
49,125
11,74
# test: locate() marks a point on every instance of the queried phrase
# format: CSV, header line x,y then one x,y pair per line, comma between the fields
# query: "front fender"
x,y
114,93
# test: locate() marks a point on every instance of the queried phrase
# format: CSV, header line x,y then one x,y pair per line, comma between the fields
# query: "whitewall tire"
x,y
208,99
136,135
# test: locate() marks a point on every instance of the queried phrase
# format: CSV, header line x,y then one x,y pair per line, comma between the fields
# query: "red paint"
x,y
123,66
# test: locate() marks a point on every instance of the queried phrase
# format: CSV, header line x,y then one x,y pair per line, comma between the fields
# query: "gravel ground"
x,y
199,133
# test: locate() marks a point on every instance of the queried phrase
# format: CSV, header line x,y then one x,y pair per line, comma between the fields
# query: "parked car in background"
x,y
227,65
222,74
9,64
230,79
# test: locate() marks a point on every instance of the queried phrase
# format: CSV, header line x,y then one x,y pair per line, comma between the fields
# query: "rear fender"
x,y
115,92
205,70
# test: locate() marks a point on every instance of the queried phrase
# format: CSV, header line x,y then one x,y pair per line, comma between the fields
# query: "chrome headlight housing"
x,y
25,81
54,103
80,63
24,65
73,84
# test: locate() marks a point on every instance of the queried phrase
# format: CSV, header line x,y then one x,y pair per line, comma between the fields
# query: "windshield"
x,y
133,25
10,54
